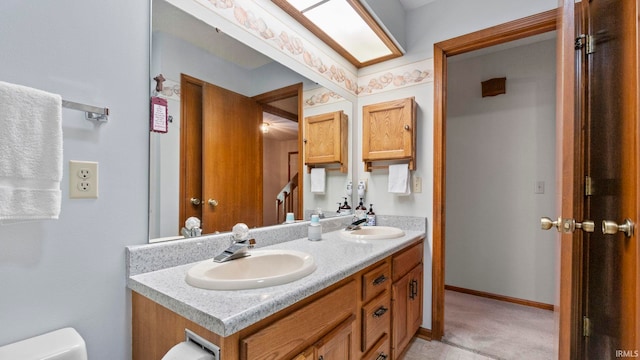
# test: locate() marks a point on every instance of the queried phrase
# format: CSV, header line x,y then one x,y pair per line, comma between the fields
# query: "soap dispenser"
x,y
315,229
371,216
345,209
361,211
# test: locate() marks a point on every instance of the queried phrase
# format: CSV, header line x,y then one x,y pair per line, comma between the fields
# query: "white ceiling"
x,y
414,4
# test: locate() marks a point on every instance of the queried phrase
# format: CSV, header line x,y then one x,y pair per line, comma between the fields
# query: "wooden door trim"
x,y
284,93
185,148
518,29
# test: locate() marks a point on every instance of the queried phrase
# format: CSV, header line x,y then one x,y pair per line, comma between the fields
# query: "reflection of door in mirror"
x,y
220,136
292,173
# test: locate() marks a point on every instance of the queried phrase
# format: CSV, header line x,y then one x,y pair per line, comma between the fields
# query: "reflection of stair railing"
x,y
285,198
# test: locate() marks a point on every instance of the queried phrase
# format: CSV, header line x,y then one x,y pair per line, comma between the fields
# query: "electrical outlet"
x,y
83,179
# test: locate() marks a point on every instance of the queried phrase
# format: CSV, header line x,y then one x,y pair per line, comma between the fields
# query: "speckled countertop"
x,y
227,312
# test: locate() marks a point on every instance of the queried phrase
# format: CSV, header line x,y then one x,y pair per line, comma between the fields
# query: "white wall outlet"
x,y
417,184
83,179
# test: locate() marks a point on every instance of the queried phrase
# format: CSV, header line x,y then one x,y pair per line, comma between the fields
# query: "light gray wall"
x,y
437,21
497,149
71,271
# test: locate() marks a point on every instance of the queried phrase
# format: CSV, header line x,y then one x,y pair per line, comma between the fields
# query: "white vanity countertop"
x,y
227,312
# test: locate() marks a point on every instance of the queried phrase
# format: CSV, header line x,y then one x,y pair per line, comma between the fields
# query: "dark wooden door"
x,y
220,157
610,261
231,160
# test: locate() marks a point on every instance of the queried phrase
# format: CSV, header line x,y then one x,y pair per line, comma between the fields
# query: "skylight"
x,y
346,26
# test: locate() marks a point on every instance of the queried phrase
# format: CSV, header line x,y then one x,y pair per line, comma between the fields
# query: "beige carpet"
x,y
498,329
477,328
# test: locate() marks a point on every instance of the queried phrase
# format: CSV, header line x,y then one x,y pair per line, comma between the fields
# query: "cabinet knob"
x,y
407,127
304,141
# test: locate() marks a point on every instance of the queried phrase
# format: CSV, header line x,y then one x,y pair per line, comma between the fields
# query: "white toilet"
x,y
63,344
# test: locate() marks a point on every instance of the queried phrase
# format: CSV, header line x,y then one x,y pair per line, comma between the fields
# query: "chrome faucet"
x,y
240,244
191,227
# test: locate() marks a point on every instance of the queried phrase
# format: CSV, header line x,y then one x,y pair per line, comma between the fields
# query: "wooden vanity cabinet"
x,y
369,316
338,344
326,140
388,132
407,294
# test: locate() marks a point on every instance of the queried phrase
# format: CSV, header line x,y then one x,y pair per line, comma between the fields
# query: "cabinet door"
x,y
309,354
388,130
323,138
407,309
338,344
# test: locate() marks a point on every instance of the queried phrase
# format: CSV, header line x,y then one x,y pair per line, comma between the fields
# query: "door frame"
x,y
284,93
514,30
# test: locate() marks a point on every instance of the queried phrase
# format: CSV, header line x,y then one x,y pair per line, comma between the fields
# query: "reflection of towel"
x,y
399,179
31,153
317,180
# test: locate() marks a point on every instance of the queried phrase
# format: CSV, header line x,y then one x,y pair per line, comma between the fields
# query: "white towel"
x,y
399,179
30,154
318,177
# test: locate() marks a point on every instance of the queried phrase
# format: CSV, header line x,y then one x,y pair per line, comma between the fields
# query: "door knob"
x,y
611,227
567,225
195,201
546,223
213,202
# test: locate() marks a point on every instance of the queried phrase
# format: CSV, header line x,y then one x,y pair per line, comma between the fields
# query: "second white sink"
x,y
373,233
263,268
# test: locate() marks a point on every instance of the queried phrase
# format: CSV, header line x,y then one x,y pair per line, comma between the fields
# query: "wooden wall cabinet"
x,y
371,315
388,132
326,140
406,297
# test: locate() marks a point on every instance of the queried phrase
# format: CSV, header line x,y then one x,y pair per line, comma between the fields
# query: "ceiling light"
x,y
346,26
264,127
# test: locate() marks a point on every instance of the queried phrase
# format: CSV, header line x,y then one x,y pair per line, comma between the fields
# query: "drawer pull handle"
x,y
380,312
382,356
379,280
413,289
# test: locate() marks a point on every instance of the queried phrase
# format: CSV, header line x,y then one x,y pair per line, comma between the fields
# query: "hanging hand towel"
x,y
399,179
318,176
30,154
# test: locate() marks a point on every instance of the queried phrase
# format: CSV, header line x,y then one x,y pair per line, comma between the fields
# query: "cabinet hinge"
x,y
588,186
586,326
587,42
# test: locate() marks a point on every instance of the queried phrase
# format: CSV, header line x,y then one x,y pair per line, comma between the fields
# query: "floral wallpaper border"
x,y
257,21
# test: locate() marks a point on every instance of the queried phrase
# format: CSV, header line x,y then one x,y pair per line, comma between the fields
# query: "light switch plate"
x,y
83,179
417,184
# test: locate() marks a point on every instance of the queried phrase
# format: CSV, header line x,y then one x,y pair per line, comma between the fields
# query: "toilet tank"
x,y
63,344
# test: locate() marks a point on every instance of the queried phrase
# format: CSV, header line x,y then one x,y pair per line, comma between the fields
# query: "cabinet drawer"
x,y
407,260
301,327
376,281
381,351
376,319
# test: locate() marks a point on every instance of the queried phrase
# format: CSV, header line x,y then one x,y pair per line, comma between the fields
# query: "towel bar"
x,y
92,112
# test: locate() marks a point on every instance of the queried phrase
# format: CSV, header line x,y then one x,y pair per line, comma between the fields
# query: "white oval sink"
x,y
373,233
263,268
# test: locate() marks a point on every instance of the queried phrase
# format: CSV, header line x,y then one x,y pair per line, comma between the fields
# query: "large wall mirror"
x,y
234,136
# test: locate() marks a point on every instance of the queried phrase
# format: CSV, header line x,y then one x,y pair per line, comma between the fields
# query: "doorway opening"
x,y
282,126
519,29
